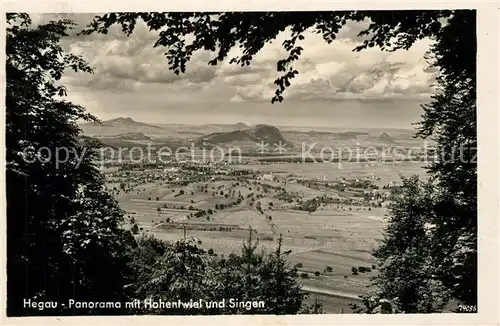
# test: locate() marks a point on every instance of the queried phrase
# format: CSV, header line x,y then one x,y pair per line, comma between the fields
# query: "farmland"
x,y
326,243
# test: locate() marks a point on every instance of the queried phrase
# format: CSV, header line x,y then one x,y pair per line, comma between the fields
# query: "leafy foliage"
x,y
407,277
250,31
437,263
64,236
182,271
176,272
451,120
316,308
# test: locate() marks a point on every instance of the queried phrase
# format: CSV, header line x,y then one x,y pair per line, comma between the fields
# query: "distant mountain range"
x,y
126,132
347,135
350,135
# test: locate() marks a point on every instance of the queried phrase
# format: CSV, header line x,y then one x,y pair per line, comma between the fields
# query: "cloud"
x,y
351,30
244,79
384,79
334,70
135,59
326,71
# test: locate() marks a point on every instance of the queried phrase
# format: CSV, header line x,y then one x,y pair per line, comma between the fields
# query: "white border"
x,y
488,169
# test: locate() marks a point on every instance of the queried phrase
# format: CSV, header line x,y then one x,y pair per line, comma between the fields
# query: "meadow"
x,y
330,247
328,238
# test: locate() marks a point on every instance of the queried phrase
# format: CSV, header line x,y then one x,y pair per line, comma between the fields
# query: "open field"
x,y
327,237
326,243
388,171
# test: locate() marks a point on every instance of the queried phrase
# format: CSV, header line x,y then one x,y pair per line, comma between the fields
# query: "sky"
x,y
335,86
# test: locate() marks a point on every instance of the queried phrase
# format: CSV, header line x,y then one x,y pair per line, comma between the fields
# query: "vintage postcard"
x,y
250,163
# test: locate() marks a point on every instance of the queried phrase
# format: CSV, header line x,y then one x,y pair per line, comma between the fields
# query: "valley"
x,y
329,214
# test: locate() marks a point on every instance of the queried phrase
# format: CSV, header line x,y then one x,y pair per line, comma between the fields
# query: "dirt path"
x,y
334,293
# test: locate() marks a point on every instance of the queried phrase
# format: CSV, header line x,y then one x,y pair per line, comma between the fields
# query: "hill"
x,y
385,138
257,134
129,122
132,136
241,125
119,126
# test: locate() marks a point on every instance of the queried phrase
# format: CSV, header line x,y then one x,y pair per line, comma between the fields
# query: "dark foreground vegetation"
x,y
65,238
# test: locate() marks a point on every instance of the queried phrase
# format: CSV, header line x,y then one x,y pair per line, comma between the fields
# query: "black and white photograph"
x,y
294,162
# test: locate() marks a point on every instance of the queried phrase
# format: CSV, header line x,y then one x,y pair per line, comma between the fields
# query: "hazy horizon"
x,y
352,113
